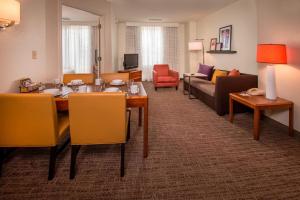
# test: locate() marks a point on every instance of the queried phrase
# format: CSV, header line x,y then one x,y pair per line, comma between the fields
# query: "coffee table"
x,y
189,75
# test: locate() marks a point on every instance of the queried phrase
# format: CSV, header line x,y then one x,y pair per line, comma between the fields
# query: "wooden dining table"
x,y
139,100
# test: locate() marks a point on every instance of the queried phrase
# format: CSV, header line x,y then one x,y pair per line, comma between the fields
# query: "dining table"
x,y
138,100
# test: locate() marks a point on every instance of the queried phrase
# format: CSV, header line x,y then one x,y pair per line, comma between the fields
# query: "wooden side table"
x,y
134,74
258,104
189,75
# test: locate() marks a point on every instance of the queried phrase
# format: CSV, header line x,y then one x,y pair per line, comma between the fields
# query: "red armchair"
x,y
163,76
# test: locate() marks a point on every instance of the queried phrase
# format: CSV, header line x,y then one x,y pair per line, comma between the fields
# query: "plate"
x,y
117,84
112,89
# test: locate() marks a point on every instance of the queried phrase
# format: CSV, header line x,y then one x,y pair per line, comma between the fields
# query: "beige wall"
x,y
278,22
242,15
36,32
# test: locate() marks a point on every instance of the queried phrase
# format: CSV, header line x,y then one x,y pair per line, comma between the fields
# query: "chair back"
x,y
97,118
161,69
28,120
108,77
86,78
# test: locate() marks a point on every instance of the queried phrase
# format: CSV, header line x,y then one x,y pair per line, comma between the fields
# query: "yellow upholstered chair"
x,y
97,118
31,120
86,78
108,77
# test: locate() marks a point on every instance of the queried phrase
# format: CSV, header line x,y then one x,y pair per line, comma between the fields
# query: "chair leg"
x,y
1,159
75,150
176,87
52,162
155,88
128,126
122,159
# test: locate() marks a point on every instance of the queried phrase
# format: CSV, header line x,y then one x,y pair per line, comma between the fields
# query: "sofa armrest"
x,y
226,85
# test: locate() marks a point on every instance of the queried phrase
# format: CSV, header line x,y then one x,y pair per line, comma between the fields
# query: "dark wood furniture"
x,y
139,100
221,52
135,75
219,100
258,104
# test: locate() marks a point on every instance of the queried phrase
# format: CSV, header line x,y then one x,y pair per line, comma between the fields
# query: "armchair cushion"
x,y
162,69
166,79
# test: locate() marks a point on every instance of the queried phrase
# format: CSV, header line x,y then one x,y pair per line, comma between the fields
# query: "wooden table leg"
x,y
230,109
146,129
256,124
140,115
291,120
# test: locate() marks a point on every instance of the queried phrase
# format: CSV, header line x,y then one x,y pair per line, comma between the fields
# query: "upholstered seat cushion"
x,y
166,79
203,85
63,125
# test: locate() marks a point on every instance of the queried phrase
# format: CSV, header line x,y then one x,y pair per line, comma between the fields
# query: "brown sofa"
x,y
216,95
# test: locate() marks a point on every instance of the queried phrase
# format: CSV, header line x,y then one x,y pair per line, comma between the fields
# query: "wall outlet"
x,y
34,55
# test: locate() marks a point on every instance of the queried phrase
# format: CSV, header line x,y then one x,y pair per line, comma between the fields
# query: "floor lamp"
x,y
197,46
271,54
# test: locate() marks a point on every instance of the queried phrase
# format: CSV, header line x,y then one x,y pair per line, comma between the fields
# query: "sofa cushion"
x,y
218,73
234,72
207,70
166,79
207,88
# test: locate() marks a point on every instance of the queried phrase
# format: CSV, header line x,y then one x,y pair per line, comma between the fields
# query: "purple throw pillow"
x,y
207,70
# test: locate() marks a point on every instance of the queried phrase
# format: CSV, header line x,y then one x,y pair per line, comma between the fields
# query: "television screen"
x,y
131,61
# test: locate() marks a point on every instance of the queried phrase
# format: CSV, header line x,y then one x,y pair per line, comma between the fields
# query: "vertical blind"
x,y
154,44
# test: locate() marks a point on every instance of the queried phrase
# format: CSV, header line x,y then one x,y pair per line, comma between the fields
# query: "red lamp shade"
x,y
271,53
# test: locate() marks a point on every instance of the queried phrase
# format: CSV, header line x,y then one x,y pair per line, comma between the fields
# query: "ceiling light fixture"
x,y
9,13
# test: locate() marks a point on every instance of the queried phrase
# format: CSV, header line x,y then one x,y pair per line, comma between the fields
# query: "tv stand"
x,y
134,74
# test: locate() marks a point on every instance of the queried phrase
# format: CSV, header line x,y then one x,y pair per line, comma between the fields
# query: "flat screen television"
x,y
131,61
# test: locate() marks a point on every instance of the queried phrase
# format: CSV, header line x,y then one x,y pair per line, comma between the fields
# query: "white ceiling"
x,y
73,14
167,10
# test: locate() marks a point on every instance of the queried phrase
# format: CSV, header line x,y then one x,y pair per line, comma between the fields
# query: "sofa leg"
x,y
75,150
122,168
52,162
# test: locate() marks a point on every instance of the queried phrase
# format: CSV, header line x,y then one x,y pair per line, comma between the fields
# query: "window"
x,y
78,48
155,45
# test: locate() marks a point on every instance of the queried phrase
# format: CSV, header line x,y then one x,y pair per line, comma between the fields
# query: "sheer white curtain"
x,y
151,49
155,45
78,48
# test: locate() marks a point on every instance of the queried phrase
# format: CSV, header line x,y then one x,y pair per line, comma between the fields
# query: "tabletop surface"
x,y
260,100
124,88
195,74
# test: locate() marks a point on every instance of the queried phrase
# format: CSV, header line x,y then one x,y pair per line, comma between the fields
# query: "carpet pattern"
x,y
193,154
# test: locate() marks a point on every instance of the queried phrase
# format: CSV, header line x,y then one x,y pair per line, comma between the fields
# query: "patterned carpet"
x,y
194,154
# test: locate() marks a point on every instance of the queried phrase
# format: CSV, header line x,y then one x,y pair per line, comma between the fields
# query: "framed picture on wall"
x,y
213,43
219,46
225,35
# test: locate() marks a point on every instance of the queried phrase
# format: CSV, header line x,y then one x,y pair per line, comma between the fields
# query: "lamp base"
x,y
270,83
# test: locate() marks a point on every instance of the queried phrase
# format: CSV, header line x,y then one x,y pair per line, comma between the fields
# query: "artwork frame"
x,y
225,37
219,46
213,43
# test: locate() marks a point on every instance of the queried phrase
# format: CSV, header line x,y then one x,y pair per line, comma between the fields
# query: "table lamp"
x,y
271,54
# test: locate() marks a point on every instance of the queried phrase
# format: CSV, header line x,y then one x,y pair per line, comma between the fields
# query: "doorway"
x,y
81,37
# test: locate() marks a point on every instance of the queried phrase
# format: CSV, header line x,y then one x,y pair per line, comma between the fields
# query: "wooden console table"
x,y
135,75
258,104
